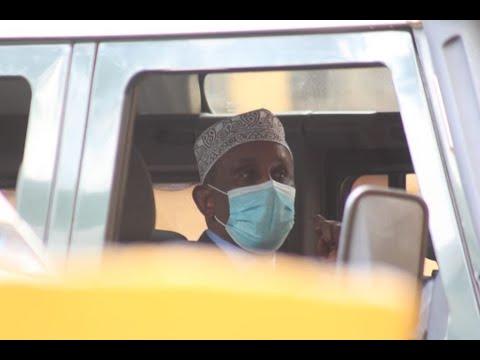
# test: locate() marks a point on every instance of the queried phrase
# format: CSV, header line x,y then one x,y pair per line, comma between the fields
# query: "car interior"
x,y
334,151
343,130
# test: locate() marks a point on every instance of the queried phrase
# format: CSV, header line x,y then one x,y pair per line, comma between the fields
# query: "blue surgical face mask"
x,y
261,216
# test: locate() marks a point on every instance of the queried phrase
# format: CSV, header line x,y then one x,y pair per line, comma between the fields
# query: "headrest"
x,y
137,220
165,235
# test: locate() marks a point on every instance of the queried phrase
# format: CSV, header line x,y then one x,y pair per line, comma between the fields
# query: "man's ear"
x,y
204,200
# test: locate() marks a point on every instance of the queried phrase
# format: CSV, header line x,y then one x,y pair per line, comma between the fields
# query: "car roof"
x,y
71,29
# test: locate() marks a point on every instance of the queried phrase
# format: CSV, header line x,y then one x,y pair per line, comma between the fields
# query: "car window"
x,y
411,182
165,131
32,83
15,100
363,89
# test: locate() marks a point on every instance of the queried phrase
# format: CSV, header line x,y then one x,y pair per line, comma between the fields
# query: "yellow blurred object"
x,y
182,292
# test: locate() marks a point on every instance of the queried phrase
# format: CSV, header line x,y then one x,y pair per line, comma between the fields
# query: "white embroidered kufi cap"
x,y
214,142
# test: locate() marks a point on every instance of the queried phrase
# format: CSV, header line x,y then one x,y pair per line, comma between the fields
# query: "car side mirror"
x,y
386,227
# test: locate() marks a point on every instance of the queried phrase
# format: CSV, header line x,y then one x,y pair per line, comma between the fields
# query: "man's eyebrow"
x,y
279,159
246,160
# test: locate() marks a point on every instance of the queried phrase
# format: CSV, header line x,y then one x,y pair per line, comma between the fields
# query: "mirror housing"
x,y
384,226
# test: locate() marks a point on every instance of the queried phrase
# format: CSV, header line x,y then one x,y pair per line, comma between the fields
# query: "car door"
x,y
450,56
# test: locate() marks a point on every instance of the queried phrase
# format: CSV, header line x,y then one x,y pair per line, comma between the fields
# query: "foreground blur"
x,y
190,292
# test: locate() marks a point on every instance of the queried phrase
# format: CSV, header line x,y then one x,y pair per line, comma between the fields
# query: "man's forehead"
x,y
250,151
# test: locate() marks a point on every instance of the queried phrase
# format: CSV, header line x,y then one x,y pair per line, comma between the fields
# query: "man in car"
x,y
247,191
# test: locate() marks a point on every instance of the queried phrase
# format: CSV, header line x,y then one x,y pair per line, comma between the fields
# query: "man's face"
x,y
245,165
253,163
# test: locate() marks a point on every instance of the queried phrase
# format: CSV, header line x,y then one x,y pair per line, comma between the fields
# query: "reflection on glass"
x,y
352,89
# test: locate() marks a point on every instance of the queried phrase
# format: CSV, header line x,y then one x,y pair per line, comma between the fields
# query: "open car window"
x,y
341,90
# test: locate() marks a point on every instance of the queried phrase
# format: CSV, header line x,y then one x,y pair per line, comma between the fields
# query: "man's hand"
x,y
328,234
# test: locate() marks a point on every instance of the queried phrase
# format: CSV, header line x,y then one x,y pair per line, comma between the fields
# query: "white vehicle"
x,y
103,115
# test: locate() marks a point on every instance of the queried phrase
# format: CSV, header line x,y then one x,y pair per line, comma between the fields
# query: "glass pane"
x,y
382,180
176,210
353,89
15,97
17,241
377,180
412,184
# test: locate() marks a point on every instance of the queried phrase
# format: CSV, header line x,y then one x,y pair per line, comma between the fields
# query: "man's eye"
x,y
246,175
280,175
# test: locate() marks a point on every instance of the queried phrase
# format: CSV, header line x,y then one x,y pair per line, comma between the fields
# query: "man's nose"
x,y
265,175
